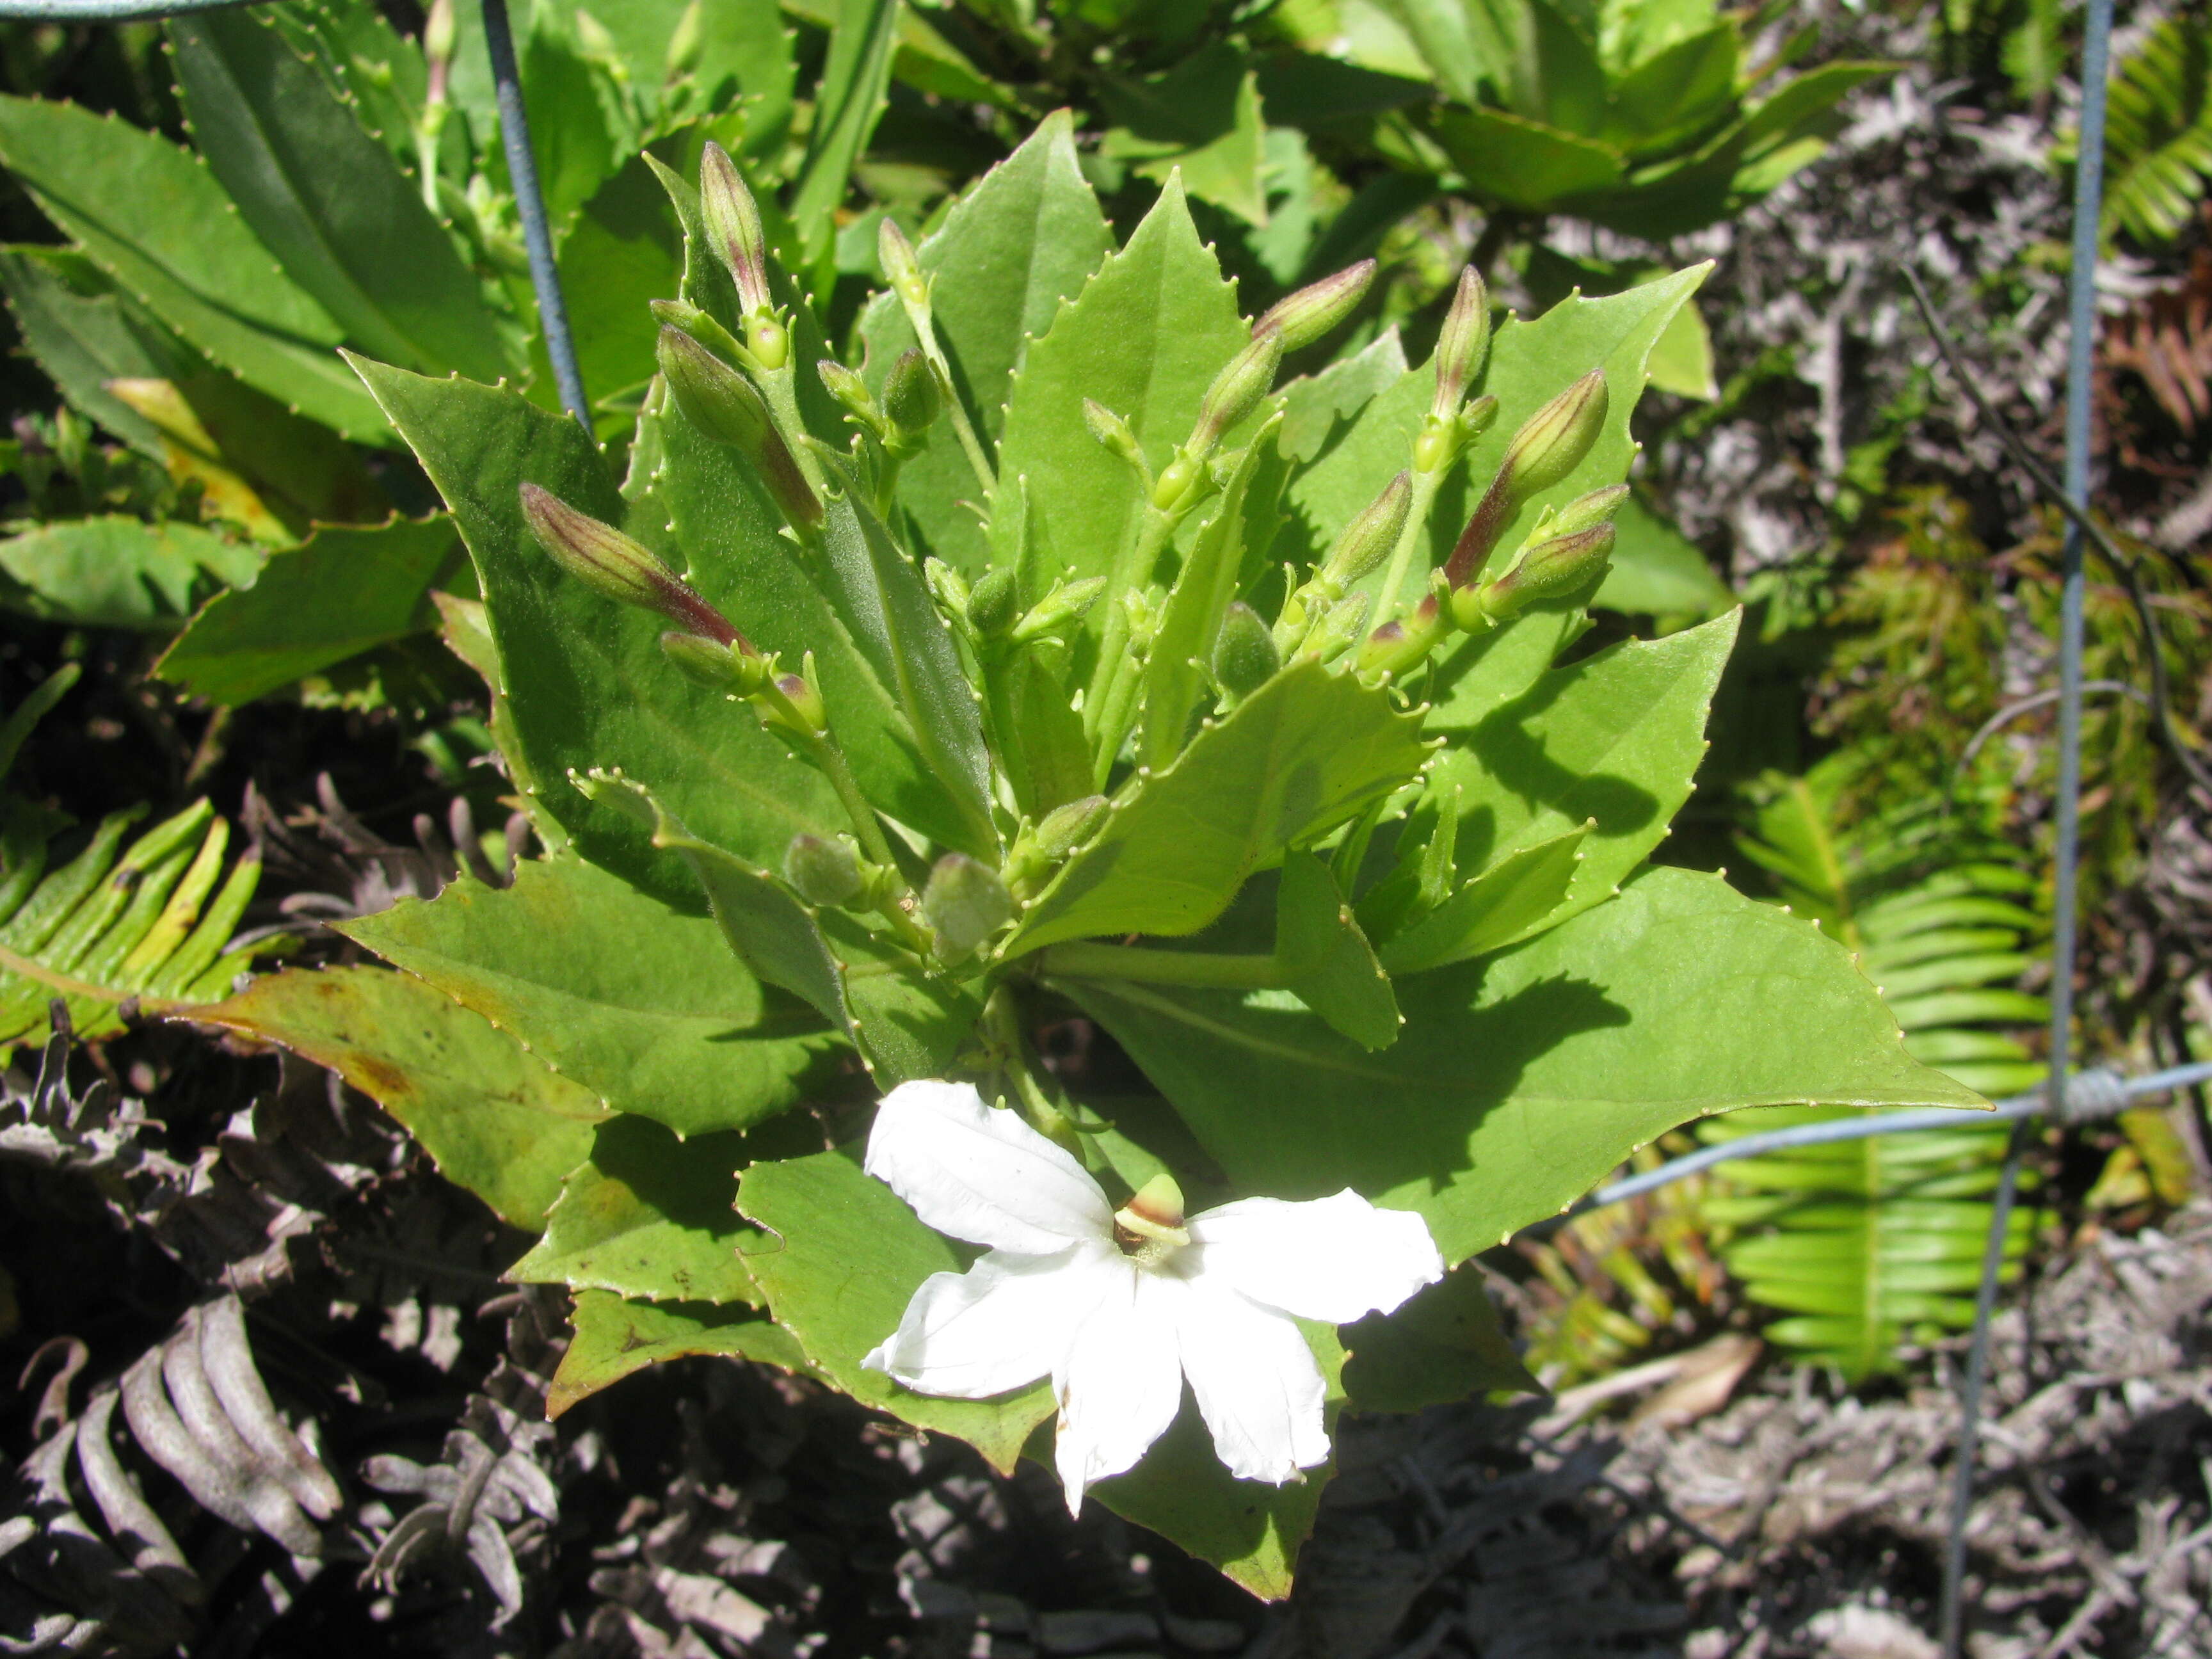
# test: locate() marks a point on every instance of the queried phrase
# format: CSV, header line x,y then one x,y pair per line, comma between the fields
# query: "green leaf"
x,y
1145,337
649,1217
1615,738
888,613
580,133
1302,754
1530,364
789,602
1522,163
1442,1346
622,248
1666,99
1174,676
118,572
365,62
584,678
344,591
1019,241
495,1120
906,1020
1326,959
1314,405
848,101
641,1004
328,200
1656,570
151,216
1518,1081
1201,117
2158,144
615,1339
851,1257
1250,1530
83,334
1506,904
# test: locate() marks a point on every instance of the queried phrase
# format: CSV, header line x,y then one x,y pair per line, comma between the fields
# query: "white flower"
x,y
1119,1308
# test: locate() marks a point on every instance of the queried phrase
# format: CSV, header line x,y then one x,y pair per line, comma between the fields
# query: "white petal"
x,y
1121,1382
1258,1386
1004,1323
980,1174
1335,1259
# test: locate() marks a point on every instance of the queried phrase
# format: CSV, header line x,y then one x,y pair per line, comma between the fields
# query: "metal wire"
x,y
2089,204
2088,1095
104,11
530,207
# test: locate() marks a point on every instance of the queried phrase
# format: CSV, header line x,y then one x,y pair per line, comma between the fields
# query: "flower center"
x,y
1149,1227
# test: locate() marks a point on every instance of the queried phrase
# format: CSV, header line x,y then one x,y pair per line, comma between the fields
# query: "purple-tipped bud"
x,y
1550,569
1309,314
825,873
1396,646
1553,440
723,405
1367,539
797,706
733,222
896,254
964,903
616,567
1462,343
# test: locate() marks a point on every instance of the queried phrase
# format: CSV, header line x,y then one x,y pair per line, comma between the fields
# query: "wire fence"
x,y
2078,1097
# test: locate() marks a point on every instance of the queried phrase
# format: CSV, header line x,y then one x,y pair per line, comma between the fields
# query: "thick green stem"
x,y
1415,534
1083,959
1002,1023
829,759
780,388
1110,704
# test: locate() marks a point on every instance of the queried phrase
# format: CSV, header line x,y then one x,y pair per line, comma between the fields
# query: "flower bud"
x,y
991,606
896,254
797,704
1548,569
683,314
734,668
1397,646
1177,479
850,389
825,873
1367,539
723,405
1305,316
1554,439
616,567
1036,852
440,32
1461,344
1584,512
1142,606
1336,630
690,40
733,223
1244,655
911,397
1069,602
964,903
1236,390
1111,430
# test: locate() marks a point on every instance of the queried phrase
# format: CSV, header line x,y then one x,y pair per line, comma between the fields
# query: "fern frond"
x,y
1865,1244
2158,134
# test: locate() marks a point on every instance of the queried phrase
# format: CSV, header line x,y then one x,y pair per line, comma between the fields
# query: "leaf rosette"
x,y
1063,660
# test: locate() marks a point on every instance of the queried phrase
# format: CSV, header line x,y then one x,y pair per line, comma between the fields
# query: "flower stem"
x,y
1110,703
1084,959
1002,1021
1416,530
925,329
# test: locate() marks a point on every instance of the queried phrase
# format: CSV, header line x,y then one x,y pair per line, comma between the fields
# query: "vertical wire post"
x,y
530,207
2081,309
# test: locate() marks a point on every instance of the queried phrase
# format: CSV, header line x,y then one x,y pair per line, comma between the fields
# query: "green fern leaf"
x,y
2158,135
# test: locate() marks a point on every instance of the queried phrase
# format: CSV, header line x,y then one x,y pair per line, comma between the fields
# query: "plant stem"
x,y
780,387
1109,703
925,329
1425,485
1002,1021
1084,959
